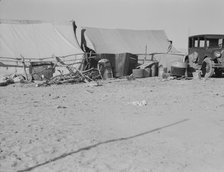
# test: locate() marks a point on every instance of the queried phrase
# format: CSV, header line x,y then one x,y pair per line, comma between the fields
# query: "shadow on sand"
x,y
101,143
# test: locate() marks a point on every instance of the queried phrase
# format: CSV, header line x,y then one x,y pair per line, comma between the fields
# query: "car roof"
x,y
208,35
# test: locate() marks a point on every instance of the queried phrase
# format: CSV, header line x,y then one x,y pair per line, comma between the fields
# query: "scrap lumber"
x,y
74,75
71,70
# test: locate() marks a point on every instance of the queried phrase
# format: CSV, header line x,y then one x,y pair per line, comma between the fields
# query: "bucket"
x,y
162,70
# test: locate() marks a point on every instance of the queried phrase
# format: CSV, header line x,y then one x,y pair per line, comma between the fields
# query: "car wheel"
x,y
206,68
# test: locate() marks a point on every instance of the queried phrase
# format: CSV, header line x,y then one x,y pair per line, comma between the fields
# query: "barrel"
x,y
105,69
178,69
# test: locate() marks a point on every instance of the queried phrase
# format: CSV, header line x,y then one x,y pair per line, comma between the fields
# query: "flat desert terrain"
x,y
142,125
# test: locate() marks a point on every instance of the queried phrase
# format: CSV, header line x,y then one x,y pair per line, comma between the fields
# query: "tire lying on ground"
x,y
206,68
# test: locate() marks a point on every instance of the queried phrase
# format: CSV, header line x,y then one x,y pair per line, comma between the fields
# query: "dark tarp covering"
x,y
122,64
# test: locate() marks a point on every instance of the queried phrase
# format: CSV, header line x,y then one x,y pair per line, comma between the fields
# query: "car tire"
x,y
206,68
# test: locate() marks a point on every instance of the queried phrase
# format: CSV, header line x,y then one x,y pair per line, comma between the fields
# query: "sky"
x,y
179,18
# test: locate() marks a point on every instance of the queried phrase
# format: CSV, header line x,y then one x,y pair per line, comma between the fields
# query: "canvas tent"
x,y
121,40
35,41
139,42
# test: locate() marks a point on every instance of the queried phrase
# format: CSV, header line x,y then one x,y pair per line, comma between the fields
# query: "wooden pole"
x,y
24,67
145,53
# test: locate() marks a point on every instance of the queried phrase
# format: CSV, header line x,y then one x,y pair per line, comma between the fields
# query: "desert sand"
x,y
142,125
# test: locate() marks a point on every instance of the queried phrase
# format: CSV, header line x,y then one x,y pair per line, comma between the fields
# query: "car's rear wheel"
x,y
206,68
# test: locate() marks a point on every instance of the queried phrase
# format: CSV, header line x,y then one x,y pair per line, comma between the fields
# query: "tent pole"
x,y
145,53
24,66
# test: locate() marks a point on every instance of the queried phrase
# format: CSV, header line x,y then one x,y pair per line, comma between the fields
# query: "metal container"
x,y
105,69
178,69
138,73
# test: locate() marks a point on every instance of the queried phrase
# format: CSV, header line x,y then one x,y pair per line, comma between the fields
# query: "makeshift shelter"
x,y
147,44
36,41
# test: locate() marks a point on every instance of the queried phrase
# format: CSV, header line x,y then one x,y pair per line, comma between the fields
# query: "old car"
x,y
206,53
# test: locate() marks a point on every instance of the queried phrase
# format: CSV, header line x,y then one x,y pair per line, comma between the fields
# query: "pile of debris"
x,y
11,79
41,73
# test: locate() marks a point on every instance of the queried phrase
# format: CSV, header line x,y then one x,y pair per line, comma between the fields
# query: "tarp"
x,y
36,40
122,64
123,40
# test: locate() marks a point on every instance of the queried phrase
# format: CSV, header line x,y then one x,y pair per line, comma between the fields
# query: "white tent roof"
x,y
126,40
34,39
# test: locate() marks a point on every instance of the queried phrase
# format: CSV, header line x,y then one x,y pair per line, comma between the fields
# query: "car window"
x,y
207,43
213,43
191,42
195,43
202,43
220,43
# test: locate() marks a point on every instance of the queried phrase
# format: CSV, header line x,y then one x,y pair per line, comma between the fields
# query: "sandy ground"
x,y
144,125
